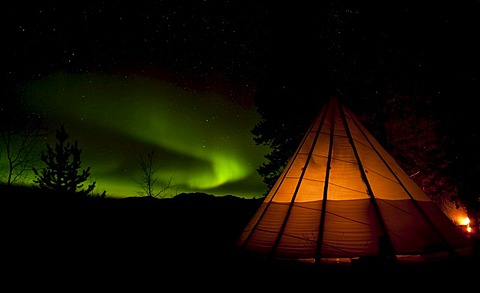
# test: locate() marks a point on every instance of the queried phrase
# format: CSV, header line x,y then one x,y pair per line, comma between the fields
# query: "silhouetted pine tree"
x,y
63,164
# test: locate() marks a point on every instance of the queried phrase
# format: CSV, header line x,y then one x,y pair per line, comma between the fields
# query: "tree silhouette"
x,y
148,183
63,164
20,136
19,145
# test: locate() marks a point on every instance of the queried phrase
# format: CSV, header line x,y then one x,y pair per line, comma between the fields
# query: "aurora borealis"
x,y
201,139
176,79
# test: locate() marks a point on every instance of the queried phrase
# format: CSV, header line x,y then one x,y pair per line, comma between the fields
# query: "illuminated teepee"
x,y
342,197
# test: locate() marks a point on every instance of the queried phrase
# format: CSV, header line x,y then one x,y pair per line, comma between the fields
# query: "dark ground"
x,y
187,242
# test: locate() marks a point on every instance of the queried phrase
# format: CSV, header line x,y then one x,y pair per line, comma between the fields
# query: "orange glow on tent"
x,y
342,196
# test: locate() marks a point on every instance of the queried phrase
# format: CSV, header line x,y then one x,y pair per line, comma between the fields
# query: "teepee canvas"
x,y
342,197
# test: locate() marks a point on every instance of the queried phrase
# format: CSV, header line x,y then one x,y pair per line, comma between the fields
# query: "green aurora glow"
x,y
201,138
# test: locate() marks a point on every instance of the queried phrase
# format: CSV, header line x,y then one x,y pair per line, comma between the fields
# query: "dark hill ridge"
x,y
194,212
105,234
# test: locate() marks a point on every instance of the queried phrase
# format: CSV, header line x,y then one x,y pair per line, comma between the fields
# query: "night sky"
x,y
178,78
200,139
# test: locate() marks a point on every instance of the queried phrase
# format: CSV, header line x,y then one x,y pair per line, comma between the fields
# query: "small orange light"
x,y
463,221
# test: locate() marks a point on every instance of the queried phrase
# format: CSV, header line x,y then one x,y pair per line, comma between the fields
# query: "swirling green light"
x,y
202,140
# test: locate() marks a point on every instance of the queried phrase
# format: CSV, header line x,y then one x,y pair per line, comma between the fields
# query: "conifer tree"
x,y
62,173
